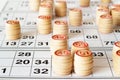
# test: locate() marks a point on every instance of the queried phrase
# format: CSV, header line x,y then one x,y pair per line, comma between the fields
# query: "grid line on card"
x,y
12,63
109,64
51,67
115,35
35,39
32,64
2,40
83,34
100,38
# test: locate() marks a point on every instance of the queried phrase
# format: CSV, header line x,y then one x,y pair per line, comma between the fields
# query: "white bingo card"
x,y
30,57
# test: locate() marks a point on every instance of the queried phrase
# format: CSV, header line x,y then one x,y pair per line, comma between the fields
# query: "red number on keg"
x,y
61,22
62,52
117,43
13,22
84,53
118,52
59,37
80,44
44,17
